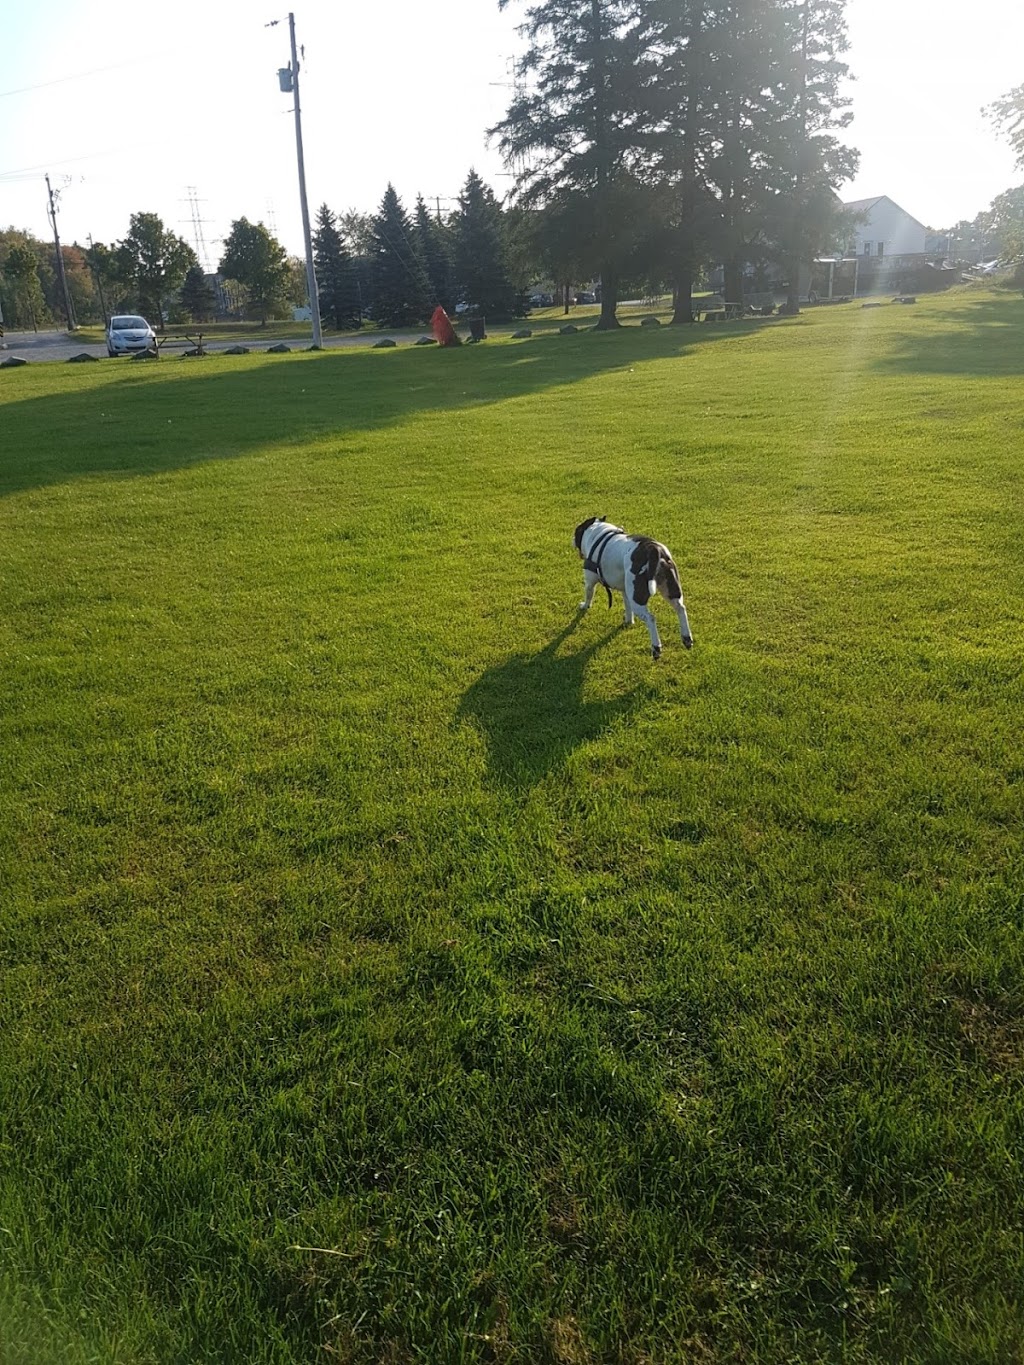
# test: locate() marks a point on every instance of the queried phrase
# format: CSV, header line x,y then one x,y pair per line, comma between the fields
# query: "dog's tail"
x,y
646,572
673,590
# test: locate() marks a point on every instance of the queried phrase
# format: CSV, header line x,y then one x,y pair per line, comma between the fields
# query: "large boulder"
x,y
279,349
568,330
650,321
237,350
426,341
82,355
385,344
522,334
12,362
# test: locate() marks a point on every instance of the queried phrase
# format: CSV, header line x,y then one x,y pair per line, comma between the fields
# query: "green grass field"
x,y
395,967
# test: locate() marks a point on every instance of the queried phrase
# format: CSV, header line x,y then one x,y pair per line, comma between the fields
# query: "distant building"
x,y
891,251
884,229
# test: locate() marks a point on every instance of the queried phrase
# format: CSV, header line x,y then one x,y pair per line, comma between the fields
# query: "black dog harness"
x,y
593,561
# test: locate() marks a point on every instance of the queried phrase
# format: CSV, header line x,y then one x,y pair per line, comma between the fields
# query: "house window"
x,y
867,248
881,248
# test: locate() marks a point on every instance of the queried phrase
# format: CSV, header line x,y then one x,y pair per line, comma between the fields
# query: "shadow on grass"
x,y
125,418
531,710
983,337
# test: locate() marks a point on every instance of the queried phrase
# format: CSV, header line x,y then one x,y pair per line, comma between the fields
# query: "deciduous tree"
x,y
23,293
1008,116
259,263
155,261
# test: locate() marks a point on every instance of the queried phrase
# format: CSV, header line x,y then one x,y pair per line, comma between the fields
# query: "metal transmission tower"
x,y
197,227
288,78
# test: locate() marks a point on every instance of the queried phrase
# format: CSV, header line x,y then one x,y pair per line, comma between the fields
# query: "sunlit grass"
x,y
395,967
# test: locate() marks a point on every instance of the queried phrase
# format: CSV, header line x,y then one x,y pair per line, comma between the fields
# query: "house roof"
x,y
866,205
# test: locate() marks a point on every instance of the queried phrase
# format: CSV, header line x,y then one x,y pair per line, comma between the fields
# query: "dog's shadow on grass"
x,y
531,710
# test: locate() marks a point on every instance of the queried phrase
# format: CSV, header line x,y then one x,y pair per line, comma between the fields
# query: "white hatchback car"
x,y
127,333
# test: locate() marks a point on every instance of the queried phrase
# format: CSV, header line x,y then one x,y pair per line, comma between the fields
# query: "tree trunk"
x,y
565,298
793,297
733,283
609,301
683,309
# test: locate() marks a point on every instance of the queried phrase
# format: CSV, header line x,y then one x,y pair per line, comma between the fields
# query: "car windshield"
x,y
128,325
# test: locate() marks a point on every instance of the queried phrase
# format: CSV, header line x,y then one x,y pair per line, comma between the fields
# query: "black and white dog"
x,y
636,567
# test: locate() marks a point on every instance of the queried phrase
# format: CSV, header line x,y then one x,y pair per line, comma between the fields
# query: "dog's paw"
x,y
627,621
688,641
583,606
656,652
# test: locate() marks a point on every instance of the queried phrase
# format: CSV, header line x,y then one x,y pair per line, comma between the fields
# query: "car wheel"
x,y
111,352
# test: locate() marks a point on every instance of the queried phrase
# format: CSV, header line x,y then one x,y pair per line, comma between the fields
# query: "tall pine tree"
x,y
196,296
335,273
433,240
401,290
481,255
573,132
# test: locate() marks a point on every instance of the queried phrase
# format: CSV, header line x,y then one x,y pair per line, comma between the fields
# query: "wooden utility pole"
x,y
60,260
288,78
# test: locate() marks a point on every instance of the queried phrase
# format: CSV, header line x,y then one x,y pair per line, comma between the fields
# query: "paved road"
x,y
35,346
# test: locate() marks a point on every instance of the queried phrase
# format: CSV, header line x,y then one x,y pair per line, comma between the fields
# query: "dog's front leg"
x,y
589,584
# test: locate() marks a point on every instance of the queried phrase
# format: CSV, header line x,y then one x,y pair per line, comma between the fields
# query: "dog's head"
x,y
581,531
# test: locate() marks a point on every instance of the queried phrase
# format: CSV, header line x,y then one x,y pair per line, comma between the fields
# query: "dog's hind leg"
x,y
649,621
590,581
679,607
668,586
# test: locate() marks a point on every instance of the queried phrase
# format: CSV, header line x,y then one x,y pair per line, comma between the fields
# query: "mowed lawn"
x,y
395,966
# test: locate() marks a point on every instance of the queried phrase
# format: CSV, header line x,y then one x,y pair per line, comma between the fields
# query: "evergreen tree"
x,y
401,290
812,37
433,240
481,257
576,130
196,296
257,261
680,107
339,294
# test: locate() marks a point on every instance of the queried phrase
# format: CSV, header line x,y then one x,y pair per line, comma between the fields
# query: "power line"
x,y
31,172
80,76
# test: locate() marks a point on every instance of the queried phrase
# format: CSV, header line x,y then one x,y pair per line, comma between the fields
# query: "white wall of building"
x,y
887,224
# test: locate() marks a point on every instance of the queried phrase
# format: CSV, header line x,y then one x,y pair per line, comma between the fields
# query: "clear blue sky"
x,y
128,106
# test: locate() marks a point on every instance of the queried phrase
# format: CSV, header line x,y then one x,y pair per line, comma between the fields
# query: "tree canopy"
x,y
401,289
256,260
153,261
1008,116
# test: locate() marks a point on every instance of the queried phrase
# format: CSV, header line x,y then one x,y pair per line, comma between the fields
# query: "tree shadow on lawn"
x,y
983,337
531,712
140,419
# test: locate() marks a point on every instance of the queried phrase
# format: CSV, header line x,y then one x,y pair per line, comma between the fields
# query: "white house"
x,y
884,229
